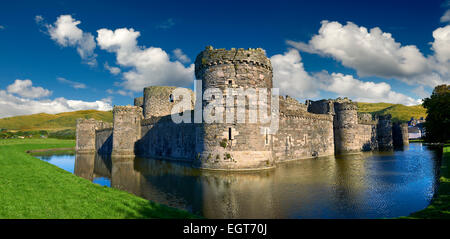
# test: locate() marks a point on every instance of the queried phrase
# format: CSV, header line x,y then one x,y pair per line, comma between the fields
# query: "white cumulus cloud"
x,y
291,78
372,52
149,66
65,32
441,44
25,88
13,103
365,91
369,52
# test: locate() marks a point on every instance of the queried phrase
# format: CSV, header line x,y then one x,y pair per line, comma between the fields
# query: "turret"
x,y
345,127
234,144
127,130
85,135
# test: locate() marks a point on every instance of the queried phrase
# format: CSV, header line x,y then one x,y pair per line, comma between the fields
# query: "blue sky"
x,y
51,66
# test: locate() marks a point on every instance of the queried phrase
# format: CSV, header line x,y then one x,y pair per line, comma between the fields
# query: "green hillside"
x,y
62,121
399,112
52,122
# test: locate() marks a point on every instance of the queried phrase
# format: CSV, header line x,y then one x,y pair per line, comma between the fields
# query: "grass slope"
x,y
440,206
67,120
399,112
31,188
59,121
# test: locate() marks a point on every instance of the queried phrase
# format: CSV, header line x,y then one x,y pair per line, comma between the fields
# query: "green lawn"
x,y
31,188
440,206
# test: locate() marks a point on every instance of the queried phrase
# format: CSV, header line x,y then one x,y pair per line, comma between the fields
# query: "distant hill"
x,y
52,122
62,121
399,112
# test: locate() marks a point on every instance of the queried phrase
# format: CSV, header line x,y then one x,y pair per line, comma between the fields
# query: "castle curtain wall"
x,y
103,141
162,138
304,136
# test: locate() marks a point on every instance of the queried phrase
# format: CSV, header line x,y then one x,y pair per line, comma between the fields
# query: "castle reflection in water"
x,y
367,185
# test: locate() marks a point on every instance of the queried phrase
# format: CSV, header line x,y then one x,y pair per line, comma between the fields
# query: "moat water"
x,y
368,185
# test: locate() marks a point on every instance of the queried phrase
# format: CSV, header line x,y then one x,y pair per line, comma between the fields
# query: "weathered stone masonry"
x,y
92,136
314,129
354,132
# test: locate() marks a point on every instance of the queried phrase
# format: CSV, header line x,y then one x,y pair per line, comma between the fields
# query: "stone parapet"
x,y
251,56
305,115
341,106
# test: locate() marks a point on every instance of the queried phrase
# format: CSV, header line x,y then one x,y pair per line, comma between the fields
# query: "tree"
x,y
437,123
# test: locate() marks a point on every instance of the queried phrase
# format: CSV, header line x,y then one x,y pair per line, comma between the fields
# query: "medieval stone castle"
x,y
314,129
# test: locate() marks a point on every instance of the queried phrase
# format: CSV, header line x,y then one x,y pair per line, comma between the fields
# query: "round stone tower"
x,y
345,125
234,145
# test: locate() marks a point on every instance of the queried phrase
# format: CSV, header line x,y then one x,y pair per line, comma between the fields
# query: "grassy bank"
x,y
31,188
440,206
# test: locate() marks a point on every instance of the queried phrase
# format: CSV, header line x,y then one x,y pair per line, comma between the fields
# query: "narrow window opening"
x,y
267,136
230,83
229,134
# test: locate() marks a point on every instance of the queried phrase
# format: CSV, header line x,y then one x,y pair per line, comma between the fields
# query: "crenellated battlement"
x,y
126,109
343,106
297,114
251,56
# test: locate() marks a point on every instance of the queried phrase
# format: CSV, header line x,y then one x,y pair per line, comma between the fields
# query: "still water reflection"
x,y
369,185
